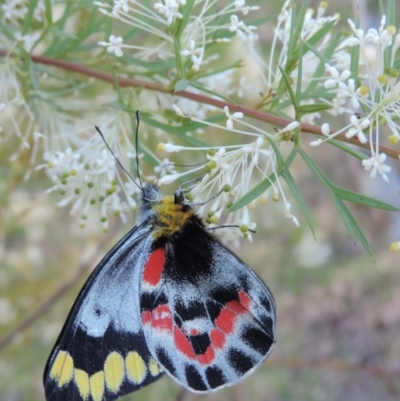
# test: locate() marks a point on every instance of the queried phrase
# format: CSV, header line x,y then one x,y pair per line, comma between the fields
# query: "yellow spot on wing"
x,y
114,371
82,382
135,367
97,386
63,368
153,366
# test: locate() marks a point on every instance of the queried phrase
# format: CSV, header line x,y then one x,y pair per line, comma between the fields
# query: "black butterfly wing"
x,y
101,352
208,319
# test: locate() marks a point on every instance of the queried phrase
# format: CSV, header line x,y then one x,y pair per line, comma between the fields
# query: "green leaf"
x,y
363,200
262,186
348,219
300,200
345,148
321,33
48,11
300,72
186,13
58,32
172,130
289,88
352,225
355,56
324,58
181,85
312,108
254,193
201,87
29,20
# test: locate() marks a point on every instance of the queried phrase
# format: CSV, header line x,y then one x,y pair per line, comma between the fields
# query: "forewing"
x,y
101,352
208,319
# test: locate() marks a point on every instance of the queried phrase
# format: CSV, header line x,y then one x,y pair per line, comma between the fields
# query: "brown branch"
x,y
256,114
49,303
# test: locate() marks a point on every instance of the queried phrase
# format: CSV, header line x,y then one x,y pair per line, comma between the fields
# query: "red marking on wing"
x,y
245,300
146,317
154,267
183,344
194,332
208,357
228,316
218,338
161,318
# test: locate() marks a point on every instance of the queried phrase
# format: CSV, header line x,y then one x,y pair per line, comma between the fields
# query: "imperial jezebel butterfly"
x,y
168,298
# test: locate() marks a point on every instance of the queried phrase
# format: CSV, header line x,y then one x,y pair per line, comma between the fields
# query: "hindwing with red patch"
x,y
207,317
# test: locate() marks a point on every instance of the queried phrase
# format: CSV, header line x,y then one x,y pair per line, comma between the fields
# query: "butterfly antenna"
x,y
116,158
137,147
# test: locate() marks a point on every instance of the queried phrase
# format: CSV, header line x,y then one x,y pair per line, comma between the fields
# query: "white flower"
x,y
358,127
170,9
121,5
114,46
231,117
375,164
196,54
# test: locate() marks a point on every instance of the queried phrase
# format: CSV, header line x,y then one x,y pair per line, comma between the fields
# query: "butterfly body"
x,y
169,297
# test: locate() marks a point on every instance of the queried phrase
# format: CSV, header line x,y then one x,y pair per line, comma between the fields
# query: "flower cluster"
x,y
88,175
202,30
230,173
375,100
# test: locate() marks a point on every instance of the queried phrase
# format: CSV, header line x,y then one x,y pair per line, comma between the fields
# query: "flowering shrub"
x,y
188,66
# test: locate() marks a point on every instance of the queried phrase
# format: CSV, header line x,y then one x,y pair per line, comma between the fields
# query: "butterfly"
x,y
168,298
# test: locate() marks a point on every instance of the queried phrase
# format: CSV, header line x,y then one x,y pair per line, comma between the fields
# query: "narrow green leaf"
x,y
289,88
262,186
181,85
345,148
58,32
321,33
201,87
186,13
178,58
355,56
316,170
348,219
29,16
363,200
295,29
254,193
355,228
312,108
299,73
300,200
48,12
171,129
324,58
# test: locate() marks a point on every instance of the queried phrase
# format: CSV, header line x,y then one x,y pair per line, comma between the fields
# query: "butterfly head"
x,y
168,214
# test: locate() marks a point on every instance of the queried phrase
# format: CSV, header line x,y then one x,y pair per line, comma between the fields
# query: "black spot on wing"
x,y
194,310
67,392
257,339
241,362
165,361
218,299
200,343
150,300
194,379
215,377
266,304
